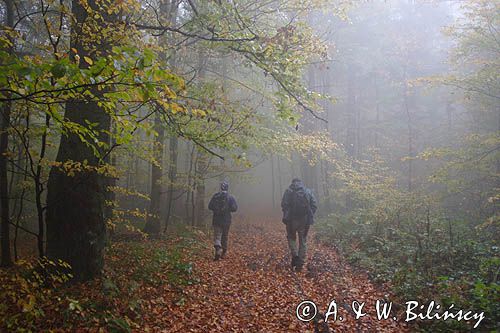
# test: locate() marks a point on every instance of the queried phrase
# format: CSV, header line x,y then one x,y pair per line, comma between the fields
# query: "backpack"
x,y
220,203
299,203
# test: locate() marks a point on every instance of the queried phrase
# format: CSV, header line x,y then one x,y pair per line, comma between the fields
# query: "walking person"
x,y
298,205
222,204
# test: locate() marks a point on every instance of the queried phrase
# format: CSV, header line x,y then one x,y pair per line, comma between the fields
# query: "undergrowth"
x,y
441,260
39,295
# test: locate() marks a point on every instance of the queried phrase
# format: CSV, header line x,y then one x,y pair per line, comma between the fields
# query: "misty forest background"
x,y
119,119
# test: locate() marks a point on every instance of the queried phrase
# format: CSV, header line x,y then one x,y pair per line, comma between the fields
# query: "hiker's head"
x,y
296,183
224,186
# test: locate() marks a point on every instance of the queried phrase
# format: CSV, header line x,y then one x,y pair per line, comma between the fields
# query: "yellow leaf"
x,y
199,113
170,93
175,108
30,304
88,60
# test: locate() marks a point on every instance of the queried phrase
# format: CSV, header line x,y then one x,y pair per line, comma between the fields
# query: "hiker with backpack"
x,y
222,204
298,205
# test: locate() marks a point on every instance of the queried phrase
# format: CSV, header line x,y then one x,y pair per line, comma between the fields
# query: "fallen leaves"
x,y
254,290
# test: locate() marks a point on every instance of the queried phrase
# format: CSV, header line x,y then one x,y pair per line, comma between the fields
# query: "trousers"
x,y
221,233
300,227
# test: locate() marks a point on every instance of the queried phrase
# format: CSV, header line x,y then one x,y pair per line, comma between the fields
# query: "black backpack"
x,y
299,203
220,203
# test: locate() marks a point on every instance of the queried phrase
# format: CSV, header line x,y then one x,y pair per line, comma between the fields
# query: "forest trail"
x,y
254,290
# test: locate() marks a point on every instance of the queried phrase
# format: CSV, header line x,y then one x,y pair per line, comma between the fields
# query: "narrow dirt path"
x,y
254,290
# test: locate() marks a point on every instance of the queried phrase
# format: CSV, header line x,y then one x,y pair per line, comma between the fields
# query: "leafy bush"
x,y
424,258
35,295
26,290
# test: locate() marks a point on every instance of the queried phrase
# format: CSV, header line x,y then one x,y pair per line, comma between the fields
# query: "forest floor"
x,y
173,285
254,289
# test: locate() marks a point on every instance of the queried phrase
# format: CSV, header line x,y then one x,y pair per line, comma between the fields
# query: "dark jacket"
x,y
224,218
285,202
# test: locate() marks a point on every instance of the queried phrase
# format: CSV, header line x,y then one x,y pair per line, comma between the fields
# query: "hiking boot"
x,y
218,253
295,261
223,254
298,265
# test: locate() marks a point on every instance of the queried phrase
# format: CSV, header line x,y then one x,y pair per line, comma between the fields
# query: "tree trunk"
x,y
4,191
171,7
6,259
39,189
189,190
351,129
153,223
406,100
377,106
280,185
201,165
192,185
273,182
324,182
23,165
76,228
110,183
172,176
201,170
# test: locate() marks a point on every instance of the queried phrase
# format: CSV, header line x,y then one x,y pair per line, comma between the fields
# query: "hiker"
x,y
222,204
298,205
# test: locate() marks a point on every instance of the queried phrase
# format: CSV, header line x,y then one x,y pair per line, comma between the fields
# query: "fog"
x,y
382,59
123,121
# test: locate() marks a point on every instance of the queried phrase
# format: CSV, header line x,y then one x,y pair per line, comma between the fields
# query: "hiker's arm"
x,y
284,201
233,206
285,207
312,203
211,204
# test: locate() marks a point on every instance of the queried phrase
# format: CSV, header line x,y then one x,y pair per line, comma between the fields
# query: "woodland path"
x,y
254,290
